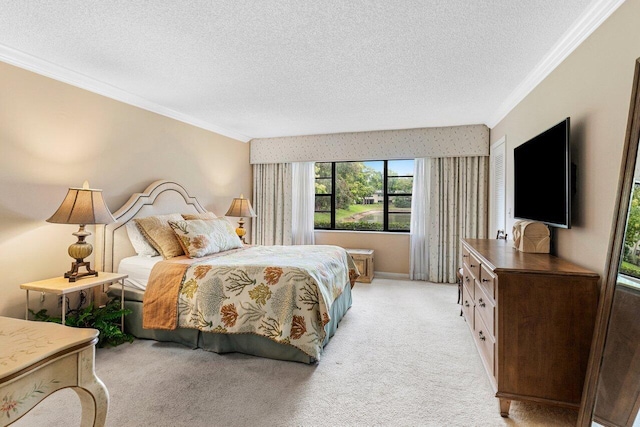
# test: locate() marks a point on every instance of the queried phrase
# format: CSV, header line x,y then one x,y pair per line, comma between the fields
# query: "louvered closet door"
x,y
497,177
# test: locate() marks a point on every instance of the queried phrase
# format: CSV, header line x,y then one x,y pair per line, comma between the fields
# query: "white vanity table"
x,y
39,358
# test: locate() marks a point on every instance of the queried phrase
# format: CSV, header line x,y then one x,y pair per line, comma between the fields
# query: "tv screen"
x,y
542,177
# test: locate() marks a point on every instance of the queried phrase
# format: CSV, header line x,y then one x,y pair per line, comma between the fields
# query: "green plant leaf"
x,y
105,319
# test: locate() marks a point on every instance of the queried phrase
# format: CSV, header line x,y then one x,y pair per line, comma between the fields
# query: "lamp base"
x,y
74,274
79,251
241,231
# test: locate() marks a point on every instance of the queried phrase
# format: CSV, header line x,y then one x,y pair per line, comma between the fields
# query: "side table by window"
x,y
363,258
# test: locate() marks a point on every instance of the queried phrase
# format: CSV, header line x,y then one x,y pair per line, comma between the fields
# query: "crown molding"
x,y
586,24
65,75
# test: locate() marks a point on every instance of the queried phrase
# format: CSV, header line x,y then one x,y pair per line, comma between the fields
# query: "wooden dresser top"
x,y
500,254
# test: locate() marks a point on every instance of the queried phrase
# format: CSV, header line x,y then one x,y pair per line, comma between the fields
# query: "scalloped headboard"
x,y
159,198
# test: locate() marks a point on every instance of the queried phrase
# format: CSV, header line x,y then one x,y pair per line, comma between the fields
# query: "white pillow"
x,y
139,242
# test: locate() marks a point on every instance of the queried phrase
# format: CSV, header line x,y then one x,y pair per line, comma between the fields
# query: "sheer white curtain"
x,y
454,191
272,204
303,203
419,263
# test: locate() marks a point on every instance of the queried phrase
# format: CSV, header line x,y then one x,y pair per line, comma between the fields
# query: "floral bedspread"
x,y
283,293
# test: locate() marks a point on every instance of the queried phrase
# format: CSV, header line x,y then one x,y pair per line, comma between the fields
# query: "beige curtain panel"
x,y
272,204
457,190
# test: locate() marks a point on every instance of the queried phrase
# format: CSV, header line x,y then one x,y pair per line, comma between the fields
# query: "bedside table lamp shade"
x,y
240,207
82,206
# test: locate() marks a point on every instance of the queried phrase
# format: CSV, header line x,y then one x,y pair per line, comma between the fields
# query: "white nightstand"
x,y
62,286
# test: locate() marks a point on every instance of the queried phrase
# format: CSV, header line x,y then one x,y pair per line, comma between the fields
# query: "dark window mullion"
x,y
334,189
385,216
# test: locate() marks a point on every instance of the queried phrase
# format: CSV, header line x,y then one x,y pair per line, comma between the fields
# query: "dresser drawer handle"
x,y
485,280
472,266
466,303
465,256
481,303
466,279
481,336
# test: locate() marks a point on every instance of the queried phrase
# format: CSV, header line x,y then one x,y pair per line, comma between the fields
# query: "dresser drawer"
x,y
471,262
486,343
468,307
468,281
487,281
486,308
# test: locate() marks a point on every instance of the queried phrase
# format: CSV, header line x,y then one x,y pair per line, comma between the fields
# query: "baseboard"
x,y
386,275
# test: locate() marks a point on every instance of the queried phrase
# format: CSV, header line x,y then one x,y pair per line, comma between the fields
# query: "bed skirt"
x,y
255,345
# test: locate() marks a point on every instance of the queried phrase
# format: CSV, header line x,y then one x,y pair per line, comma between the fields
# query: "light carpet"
x,y
402,356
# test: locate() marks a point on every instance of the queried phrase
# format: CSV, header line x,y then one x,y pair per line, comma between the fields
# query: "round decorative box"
x,y
531,236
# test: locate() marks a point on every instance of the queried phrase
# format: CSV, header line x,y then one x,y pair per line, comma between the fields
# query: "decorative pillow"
x,y
202,237
139,242
206,215
158,232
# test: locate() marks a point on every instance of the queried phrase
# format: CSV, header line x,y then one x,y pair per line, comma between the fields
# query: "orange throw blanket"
x,y
160,310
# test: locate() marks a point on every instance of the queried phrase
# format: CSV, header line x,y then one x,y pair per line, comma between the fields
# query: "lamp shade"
x,y
82,206
240,207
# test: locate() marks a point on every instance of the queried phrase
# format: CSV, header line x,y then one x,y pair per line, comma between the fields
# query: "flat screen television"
x,y
542,177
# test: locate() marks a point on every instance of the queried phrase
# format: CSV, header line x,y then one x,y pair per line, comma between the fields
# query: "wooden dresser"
x,y
532,319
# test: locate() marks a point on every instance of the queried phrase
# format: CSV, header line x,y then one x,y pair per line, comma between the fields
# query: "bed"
x,y
280,302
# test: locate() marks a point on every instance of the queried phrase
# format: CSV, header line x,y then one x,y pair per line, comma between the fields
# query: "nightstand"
x,y
62,286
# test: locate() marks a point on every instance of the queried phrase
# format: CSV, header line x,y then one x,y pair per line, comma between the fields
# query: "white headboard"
x,y
161,197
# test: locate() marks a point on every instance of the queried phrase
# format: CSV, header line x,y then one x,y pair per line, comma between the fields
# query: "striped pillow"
x,y
158,232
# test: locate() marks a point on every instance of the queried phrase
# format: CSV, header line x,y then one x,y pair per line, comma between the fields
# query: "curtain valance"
x,y
453,141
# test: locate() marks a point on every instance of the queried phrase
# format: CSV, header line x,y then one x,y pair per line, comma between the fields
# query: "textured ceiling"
x,y
277,68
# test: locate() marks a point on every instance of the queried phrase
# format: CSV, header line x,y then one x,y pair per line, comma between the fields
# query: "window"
x,y
372,195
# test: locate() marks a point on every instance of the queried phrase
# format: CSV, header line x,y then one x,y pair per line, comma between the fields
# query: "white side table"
x,y
39,358
62,286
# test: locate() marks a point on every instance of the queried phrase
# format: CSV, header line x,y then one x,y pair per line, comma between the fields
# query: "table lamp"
x,y
82,206
240,207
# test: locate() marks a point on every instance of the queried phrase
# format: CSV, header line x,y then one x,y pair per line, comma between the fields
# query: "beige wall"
x,y
53,136
593,87
391,249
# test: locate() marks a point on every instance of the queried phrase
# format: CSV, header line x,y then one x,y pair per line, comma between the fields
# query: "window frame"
x,y
388,195
332,203
386,198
